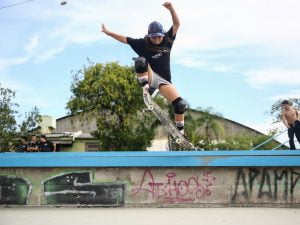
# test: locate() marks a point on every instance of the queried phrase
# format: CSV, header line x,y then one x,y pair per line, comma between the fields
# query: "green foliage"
x,y
9,132
268,146
204,127
192,129
110,94
201,129
237,142
206,132
30,121
246,142
8,125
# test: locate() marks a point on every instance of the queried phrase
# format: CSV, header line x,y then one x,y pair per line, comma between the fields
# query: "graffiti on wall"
x,y
265,183
174,190
77,188
168,186
14,190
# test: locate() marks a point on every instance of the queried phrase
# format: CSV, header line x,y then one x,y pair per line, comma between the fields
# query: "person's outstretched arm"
x,y
175,19
118,37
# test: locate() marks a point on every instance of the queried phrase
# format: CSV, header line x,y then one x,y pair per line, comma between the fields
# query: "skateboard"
x,y
163,117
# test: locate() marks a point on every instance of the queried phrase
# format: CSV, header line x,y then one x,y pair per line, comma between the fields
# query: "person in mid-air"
x,y
153,64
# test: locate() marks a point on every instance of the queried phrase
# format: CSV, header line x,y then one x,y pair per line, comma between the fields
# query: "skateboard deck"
x,y
163,117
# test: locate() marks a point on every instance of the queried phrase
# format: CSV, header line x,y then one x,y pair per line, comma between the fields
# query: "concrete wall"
x,y
78,146
140,186
231,127
74,124
47,124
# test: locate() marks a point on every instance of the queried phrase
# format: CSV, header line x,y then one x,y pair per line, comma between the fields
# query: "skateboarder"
x,y
153,64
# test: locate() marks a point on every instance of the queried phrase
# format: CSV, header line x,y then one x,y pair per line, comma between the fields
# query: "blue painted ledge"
x,y
282,158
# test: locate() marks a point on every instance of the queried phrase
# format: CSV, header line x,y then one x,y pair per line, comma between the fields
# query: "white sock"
x,y
143,80
180,126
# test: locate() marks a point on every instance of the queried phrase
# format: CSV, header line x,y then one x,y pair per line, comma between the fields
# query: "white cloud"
x,y
190,61
8,62
291,94
216,24
261,78
29,47
48,54
204,63
269,27
222,68
32,44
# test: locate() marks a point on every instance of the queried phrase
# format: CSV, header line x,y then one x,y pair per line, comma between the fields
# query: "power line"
x,y
16,4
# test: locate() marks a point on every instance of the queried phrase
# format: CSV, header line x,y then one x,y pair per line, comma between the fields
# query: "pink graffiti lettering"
x,y
174,190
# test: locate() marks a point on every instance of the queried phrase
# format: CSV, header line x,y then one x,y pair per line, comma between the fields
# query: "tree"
x,y
30,121
192,128
204,128
9,128
110,94
208,123
8,125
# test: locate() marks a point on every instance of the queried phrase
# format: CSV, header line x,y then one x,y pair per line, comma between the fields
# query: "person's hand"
x,y
104,29
168,5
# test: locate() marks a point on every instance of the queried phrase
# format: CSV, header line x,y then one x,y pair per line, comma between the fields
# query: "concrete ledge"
x,y
150,187
151,179
281,158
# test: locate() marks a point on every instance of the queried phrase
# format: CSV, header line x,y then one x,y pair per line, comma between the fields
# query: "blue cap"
x,y
155,29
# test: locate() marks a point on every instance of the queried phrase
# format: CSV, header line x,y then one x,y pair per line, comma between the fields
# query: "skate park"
x,y
233,64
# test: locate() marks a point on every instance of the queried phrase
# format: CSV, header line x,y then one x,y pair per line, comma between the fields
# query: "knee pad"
x,y
179,105
140,65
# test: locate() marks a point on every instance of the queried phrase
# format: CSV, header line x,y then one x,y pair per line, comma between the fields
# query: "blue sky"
x,y
235,56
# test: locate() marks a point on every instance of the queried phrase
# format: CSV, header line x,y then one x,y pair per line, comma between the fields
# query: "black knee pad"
x,y
140,65
179,105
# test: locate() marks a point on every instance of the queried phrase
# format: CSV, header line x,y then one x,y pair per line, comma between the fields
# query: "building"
x,y
73,133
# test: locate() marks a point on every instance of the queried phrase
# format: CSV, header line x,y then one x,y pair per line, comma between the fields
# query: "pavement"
x,y
147,216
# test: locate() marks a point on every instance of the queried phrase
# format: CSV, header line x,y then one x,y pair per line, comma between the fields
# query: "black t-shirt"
x,y
33,144
47,146
158,56
21,148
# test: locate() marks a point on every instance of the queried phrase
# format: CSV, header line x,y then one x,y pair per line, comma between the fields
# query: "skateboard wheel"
x,y
150,107
178,141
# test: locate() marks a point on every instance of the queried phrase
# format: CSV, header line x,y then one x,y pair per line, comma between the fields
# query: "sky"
x,y
238,57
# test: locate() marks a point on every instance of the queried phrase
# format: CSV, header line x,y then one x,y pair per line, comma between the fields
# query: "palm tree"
x,y
211,126
192,129
205,127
